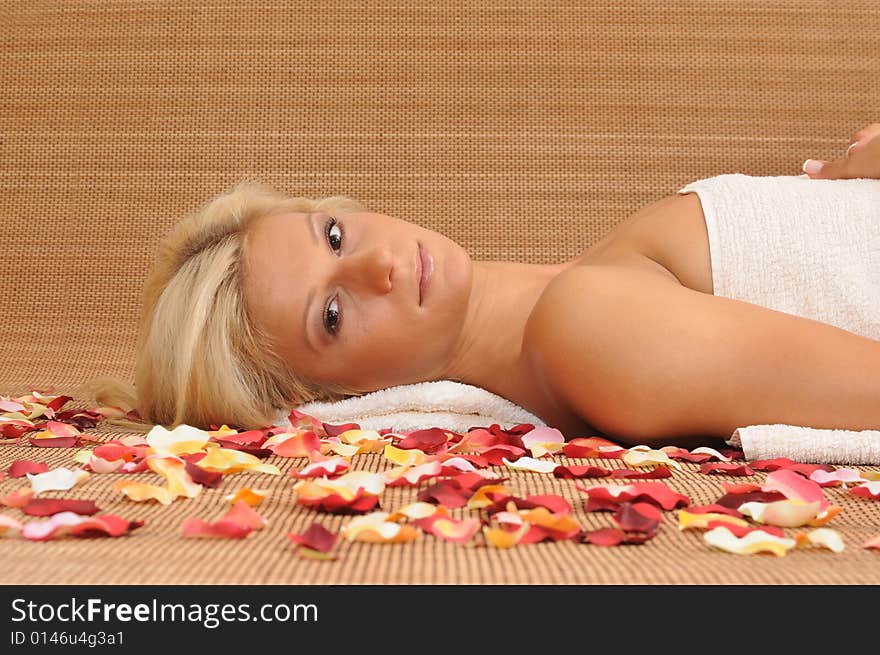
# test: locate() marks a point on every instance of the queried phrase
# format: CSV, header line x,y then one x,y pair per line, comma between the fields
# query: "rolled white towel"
x,y
443,404
808,445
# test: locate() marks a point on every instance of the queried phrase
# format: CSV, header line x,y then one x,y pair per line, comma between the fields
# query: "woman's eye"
x,y
332,225
332,317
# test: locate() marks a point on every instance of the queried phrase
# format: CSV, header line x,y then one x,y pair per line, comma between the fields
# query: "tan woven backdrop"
x,y
523,130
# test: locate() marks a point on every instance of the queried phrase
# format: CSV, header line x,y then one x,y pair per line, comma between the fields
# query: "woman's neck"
x,y
489,353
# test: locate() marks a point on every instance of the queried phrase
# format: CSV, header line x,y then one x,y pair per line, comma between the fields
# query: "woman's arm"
x,y
649,361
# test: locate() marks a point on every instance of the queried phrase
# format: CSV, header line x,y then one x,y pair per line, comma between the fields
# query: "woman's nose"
x,y
368,270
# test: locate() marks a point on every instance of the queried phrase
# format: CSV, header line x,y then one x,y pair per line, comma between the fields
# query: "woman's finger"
x,y
819,169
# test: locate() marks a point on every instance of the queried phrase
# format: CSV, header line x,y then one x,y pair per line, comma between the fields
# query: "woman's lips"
x,y
426,268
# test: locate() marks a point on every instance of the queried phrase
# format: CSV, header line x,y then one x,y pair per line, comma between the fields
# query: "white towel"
x,y
809,248
805,247
443,404
808,445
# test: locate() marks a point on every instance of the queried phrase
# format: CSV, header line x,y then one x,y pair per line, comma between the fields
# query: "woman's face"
x,y
342,297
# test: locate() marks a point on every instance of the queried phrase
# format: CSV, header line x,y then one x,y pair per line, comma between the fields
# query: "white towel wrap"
x,y
439,403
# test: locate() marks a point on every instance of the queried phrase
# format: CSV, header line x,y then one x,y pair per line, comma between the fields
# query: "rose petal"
x,y
601,495
727,468
412,475
655,473
404,457
448,528
429,441
332,466
530,464
638,517
501,538
592,447
298,444
869,489
784,513
252,497
21,467
376,528
182,439
576,472
9,527
60,479
237,523
795,487
833,479
783,463
316,537
687,520
645,456
825,537
757,541
79,526
50,506
141,491
17,498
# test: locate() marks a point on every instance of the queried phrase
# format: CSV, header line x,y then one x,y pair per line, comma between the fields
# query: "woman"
x,y
258,302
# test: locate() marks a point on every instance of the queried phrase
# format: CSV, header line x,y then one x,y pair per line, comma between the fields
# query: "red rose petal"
x,y
576,472
429,441
590,447
445,493
715,508
735,500
22,467
657,493
496,454
316,537
727,468
787,464
336,430
201,476
655,473
604,536
50,506
54,442
638,517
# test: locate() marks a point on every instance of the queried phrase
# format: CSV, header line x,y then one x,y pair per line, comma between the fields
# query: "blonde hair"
x,y
201,360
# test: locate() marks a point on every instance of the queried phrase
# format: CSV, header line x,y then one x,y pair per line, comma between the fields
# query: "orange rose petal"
x,y
376,528
481,499
141,491
9,527
299,444
404,457
501,538
252,497
17,498
687,520
178,481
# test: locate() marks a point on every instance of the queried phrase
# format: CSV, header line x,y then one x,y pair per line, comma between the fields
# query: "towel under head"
x,y
443,404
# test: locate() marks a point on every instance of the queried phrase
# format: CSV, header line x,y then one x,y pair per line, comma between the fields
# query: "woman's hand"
x,y
862,159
